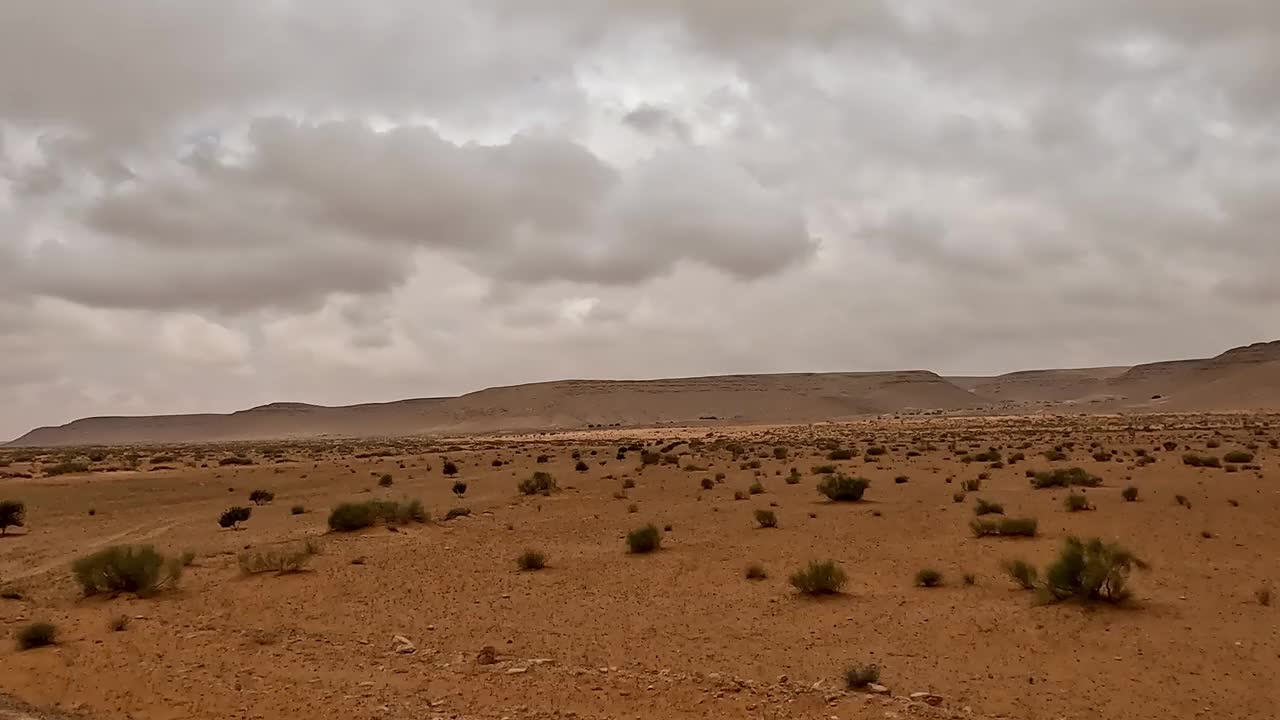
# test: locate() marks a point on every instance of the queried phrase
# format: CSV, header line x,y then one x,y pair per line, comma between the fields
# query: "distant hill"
x,y
1245,378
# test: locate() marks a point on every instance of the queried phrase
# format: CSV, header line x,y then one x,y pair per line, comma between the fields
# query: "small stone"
x,y
487,655
403,645
783,679
517,670
927,697
875,689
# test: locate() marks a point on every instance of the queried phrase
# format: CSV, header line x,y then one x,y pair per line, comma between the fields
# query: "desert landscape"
x,y
865,568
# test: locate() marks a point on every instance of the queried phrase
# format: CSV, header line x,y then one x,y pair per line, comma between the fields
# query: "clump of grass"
x,y
233,516
756,488
281,560
973,485
1003,527
857,677
819,578
1065,477
138,569
1090,571
644,540
37,634
755,571
531,560
1076,502
928,577
1022,572
1195,460
1130,494
1238,457
541,483
352,516
766,519
842,488
984,507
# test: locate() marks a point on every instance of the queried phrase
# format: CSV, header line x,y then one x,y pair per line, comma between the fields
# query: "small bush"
x,y
37,634
1003,527
794,477
1238,456
1130,494
928,577
819,578
542,459
1195,460
1182,500
1076,502
755,571
1263,595
1054,455
352,516
531,560
1090,571
12,514
644,540
857,677
278,560
235,460
628,484
970,579
119,623
259,497
840,454
739,495
581,466
1022,572
766,519
297,510
708,483
126,568
983,507
540,484
1065,477
958,497
457,513
875,451
450,468
823,469
780,453
842,488
756,488
459,488
971,485
386,481
233,516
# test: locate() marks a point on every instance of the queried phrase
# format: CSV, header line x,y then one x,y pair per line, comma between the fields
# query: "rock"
x,y
403,645
517,670
487,655
927,697
783,679
875,689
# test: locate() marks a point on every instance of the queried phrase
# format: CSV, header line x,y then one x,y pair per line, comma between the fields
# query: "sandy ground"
x,y
677,634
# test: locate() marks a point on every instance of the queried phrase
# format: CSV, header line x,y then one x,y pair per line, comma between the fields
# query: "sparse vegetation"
x,y
755,488
858,677
819,578
1195,460
928,577
233,516
983,507
531,560
766,519
644,540
1065,477
450,468
1021,572
12,514
261,497
1003,526
352,516
842,488
1076,502
36,635
1090,571
1130,494
540,483
280,560
137,569
1238,457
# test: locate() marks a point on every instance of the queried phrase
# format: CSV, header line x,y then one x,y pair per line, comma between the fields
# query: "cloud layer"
x,y
209,206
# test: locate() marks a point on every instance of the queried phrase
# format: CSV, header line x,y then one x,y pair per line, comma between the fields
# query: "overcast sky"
x,y
206,206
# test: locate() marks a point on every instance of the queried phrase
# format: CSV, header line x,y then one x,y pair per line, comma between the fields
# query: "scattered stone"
x,y
403,645
875,689
927,697
518,670
487,655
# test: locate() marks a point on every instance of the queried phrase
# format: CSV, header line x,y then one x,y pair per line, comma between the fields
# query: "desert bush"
x,y
1130,493
958,497
1263,595
259,497
857,677
644,540
780,453
297,510
983,507
36,634
1021,572
13,513
1065,477
840,454
540,483
1213,444
875,451
793,478
531,560
1195,460
279,560
233,516
386,481
581,466
137,569
459,488
543,459
928,577
1238,457
819,578
118,623
973,485
708,483
1090,571
66,468
1003,526
235,460
766,518
628,483
457,513
1076,502
352,516
1169,445
450,468
755,571
756,488
901,480
649,457
739,495
823,469
842,488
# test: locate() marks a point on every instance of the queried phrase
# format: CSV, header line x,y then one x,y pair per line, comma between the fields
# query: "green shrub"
x,y
1003,526
875,451
259,497
233,516
1130,493
126,568
1022,572
12,514
780,453
819,578
278,560
644,540
37,634
352,516
755,571
739,495
756,488
540,484
857,677
1076,502
766,519
842,488
1238,457
983,507
1090,571
531,560
928,577
840,454
794,477
1195,460
386,481
823,469
1065,477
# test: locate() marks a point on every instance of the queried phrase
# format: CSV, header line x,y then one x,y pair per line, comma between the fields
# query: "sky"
x,y
211,206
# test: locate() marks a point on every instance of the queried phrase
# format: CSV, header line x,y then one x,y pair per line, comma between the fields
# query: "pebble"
x,y
875,689
927,697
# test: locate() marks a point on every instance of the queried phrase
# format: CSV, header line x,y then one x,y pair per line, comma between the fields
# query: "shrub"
x,y
12,514
857,677
1022,572
352,516
875,451
450,468
983,507
385,481
581,466
258,497
971,485
794,477
1076,502
278,560
644,540
958,497
970,579
459,488
540,484
840,454
756,488
1003,526
126,568
297,510
66,468
739,495
1130,494
235,460
780,453
37,634
457,513
1238,457
1065,477
542,459
766,519
823,469
1090,571
842,488
119,623
819,578
708,483
233,516
1263,595
1195,460
755,571
531,560
928,577
649,457
1054,455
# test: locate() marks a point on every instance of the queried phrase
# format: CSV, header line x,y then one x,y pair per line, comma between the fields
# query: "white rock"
x,y
927,697
875,689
